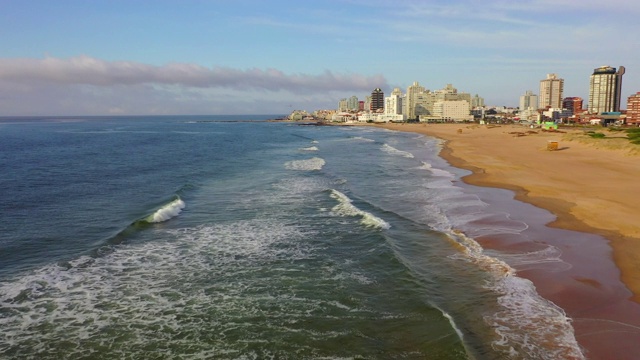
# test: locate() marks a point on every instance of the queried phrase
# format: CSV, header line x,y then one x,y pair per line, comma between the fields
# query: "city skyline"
x,y
213,57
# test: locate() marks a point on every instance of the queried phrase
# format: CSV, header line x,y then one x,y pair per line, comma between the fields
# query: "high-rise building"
x,y
413,93
393,103
605,86
352,103
528,101
573,104
342,105
633,109
377,99
551,92
477,101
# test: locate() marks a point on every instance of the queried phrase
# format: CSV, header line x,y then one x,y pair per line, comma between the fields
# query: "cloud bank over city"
x,y
249,56
86,70
92,79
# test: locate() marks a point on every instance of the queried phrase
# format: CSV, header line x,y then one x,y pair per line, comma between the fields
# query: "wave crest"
x,y
346,208
167,211
393,151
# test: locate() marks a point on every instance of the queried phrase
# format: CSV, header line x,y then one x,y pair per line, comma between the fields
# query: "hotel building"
x,y
605,86
377,100
573,104
415,97
633,109
551,92
528,101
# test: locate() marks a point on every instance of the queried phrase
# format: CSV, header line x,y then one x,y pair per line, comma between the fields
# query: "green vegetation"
x,y
634,135
595,135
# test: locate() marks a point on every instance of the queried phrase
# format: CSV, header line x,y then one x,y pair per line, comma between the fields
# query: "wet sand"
x,y
588,186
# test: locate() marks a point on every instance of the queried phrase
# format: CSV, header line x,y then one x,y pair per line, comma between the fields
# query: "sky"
x,y
215,57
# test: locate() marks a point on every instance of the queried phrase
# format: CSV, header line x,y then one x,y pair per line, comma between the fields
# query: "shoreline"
x,y
579,185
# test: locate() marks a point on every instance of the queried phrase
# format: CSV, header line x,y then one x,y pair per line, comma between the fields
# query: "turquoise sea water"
x,y
235,238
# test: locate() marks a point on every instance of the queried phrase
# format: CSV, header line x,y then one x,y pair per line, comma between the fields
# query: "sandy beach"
x,y
588,184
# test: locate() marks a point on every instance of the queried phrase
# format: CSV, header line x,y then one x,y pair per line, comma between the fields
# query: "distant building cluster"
x,y
416,104
603,106
419,104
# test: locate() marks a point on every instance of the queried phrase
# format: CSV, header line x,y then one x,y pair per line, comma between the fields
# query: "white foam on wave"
x,y
360,138
436,171
167,211
311,148
346,208
393,151
549,333
315,163
547,258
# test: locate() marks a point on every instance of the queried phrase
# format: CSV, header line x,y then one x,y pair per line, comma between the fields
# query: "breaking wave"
x,y
393,151
346,208
550,334
167,211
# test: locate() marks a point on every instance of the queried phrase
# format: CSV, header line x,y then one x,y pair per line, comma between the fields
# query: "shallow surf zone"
x,y
525,325
516,322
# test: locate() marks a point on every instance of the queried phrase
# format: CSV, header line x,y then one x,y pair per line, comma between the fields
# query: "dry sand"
x,y
589,185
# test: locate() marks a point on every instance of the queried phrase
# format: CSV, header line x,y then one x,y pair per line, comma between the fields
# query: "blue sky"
x,y
139,57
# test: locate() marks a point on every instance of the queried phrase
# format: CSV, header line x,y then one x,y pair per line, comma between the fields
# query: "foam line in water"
x,y
362,139
435,171
346,208
310,148
550,334
315,163
393,151
167,211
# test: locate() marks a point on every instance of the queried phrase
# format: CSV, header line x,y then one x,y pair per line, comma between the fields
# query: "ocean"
x,y
231,237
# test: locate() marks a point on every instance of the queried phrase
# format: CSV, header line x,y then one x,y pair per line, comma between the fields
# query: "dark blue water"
x,y
233,237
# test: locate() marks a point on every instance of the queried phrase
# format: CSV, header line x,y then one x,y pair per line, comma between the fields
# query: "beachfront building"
x,y
449,93
573,104
377,100
551,90
415,101
367,102
555,114
352,103
393,103
477,102
605,86
633,109
449,110
392,108
528,101
343,105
